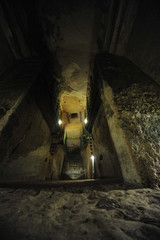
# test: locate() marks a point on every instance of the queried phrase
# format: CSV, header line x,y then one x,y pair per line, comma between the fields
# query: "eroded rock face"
x,y
80,212
131,29
132,107
107,164
67,30
24,130
139,109
24,143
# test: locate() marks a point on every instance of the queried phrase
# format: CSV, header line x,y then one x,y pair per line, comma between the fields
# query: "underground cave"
x,y
80,107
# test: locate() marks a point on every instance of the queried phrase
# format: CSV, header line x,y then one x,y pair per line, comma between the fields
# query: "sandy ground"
x,y
80,213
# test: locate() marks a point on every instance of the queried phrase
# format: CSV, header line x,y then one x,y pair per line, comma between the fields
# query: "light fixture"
x,y
60,122
85,121
93,165
92,158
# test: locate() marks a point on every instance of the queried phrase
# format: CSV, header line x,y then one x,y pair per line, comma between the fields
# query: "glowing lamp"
x,y
92,157
85,121
59,122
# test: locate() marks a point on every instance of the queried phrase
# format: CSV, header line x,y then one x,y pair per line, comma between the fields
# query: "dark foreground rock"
x,y
80,213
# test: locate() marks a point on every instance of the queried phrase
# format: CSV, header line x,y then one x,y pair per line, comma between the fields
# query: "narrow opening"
x,y
74,115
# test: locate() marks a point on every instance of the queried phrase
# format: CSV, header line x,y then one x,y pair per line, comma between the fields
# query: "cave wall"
x,y
14,34
58,160
106,161
24,142
28,92
26,121
6,57
131,29
86,156
143,44
45,97
132,108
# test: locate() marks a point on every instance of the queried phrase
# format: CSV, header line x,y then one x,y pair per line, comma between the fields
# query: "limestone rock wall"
x,y
25,129
106,160
54,163
24,142
121,144
131,29
14,40
139,111
86,156
143,45
132,108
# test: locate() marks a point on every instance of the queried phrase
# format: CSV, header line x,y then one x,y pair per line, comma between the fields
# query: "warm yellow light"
x,y
92,157
60,122
85,121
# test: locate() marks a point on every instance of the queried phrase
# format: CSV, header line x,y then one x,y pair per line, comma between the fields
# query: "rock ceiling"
x,y
77,34
74,22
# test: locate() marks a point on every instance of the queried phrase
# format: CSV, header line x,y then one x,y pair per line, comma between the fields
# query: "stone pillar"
x,y
122,147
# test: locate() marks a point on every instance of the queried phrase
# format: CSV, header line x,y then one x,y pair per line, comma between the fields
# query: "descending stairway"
x,y
73,165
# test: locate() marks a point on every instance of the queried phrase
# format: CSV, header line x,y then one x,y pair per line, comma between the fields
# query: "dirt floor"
x,y
83,212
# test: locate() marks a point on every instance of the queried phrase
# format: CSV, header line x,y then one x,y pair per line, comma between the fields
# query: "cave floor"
x,y
80,212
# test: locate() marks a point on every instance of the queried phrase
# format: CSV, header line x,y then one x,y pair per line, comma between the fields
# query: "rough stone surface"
x,y
132,31
27,148
78,213
143,45
67,30
139,108
86,155
106,160
24,133
58,160
132,106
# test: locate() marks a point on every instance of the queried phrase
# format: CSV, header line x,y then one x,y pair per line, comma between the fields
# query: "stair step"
x,y
73,166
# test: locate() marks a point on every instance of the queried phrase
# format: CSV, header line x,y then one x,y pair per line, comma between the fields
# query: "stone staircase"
x,y
73,165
